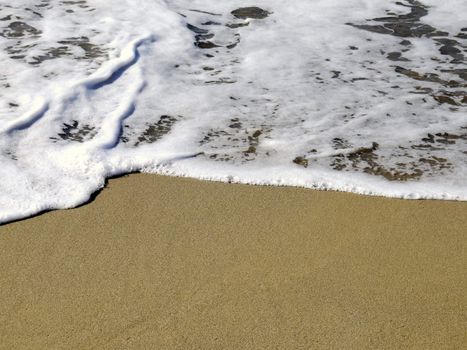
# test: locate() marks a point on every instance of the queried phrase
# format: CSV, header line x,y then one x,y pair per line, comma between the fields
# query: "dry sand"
x,y
167,263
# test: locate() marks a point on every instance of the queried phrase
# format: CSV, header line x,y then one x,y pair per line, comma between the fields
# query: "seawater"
x,y
365,96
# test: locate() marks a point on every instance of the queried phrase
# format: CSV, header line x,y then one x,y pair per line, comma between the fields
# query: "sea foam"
x,y
362,96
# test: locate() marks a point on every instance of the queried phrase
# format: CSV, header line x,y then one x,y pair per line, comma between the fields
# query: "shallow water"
x,y
366,96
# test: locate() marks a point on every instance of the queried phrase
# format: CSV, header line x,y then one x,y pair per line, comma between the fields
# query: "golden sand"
x,y
169,263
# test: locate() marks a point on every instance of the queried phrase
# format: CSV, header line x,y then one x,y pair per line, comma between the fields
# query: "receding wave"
x,y
362,96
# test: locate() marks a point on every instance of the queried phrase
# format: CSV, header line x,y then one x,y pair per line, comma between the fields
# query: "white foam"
x,y
97,89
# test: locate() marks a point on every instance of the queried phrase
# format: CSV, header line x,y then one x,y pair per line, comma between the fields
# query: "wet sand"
x,y
167,263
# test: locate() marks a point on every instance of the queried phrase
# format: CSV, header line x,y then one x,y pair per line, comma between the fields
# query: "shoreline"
x,y
169,262
370,194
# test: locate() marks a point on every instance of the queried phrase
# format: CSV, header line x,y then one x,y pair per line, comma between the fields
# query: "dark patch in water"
x,y
242,142
196,30
221,81
336,74
80,3
206,44
11,155
449,48
26,43
50,54
461,73
302,161
396,56
233,45
250,12
236,124
428,77
19,30
253,142
90,50
211,23
426,157
366,160
156,131
75,133
445,99
405,26
237,25
205,12
410,26
202,37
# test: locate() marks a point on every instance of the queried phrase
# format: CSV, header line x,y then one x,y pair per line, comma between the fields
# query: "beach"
x,y
182,174
160,262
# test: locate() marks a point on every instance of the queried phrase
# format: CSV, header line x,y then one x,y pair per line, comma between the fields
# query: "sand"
x,y
168,263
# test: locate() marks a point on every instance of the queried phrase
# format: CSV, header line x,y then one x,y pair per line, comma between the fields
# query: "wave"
x,y
362,96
